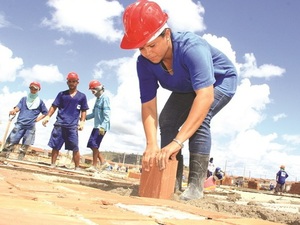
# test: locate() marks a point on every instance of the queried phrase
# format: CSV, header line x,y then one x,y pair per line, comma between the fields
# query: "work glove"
x,y
101,131
81,125
46,120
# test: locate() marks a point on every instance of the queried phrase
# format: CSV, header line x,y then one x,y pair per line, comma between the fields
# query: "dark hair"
x,y
162,34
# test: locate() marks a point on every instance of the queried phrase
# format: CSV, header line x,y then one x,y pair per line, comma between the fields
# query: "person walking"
x,y
72,106
210,168
31,110
101,116
281,176
201,78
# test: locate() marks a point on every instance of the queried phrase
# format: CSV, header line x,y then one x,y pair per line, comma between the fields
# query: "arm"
x,y
43,110
82,120
105,115
83,115
50,113
150,121
14,111
40,118
200,107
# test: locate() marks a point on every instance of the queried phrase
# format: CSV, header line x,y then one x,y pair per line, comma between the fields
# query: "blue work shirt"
x,y
281,176
196,65
101,113
69,108
27,117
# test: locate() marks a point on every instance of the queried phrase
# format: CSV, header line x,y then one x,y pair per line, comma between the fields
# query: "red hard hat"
x,y
35,84
72,76
94,83
141,21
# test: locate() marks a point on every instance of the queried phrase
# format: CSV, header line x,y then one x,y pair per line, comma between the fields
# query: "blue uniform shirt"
x,y
281,176
69,108
27,117
101,113
196,65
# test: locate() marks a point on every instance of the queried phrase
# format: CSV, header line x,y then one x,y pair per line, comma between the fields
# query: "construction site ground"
x,y
34,193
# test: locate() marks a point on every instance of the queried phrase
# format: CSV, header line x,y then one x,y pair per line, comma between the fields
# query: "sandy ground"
x,y
243,202
240,202
267,206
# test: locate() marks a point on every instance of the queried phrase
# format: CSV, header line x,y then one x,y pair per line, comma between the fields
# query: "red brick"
x,y
295,188
159,183
134,175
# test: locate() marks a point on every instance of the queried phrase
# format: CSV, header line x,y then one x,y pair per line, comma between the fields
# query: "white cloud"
x,y
235,137
45,73
9,65
250,69
223,44
279,116
3,21
292,139
62,41
188,11
244,111
95,17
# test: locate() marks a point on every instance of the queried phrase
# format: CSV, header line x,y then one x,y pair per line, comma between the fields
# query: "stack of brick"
x,y
253,185
227,181
295,189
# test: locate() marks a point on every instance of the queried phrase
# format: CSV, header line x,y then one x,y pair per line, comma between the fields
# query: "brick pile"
x,y
295,189
253,185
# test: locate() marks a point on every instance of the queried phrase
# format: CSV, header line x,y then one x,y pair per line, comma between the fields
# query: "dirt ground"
x,y
266,206
248,203
240,202
245,203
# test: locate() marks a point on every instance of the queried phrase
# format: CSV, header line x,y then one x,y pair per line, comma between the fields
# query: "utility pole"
x,y
124,159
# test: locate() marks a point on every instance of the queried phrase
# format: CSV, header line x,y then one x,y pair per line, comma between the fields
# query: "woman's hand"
x,y
168,152
149,157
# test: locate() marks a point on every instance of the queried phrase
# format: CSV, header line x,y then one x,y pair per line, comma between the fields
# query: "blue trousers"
x,y
175,112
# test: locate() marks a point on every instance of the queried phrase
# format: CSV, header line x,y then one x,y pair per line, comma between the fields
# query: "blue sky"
x,y
256,133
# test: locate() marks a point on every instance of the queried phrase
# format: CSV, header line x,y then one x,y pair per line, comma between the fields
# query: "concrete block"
x,y
159,183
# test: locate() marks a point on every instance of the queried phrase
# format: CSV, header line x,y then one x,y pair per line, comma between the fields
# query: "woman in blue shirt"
x,y
201,78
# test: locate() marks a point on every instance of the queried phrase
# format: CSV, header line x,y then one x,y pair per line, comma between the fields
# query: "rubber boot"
x,y
179,174
22,152
8,148
197,176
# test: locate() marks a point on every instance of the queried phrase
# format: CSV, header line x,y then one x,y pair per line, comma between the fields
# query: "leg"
x,y
28,139
76,157
277,188
199,146
101,158
7,149
95,156
197,175
23,151
56,142
14,138
54,155
70,136
171,118
94,143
